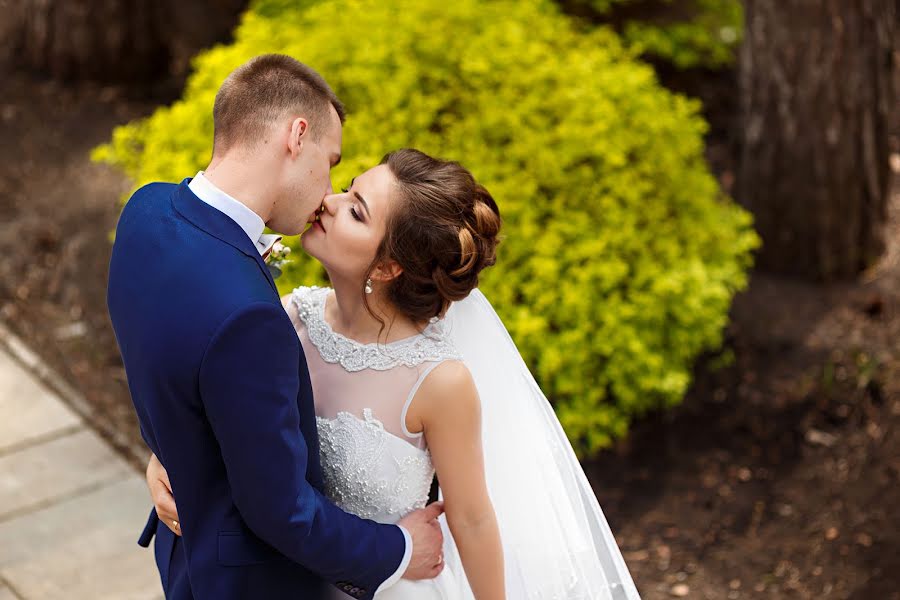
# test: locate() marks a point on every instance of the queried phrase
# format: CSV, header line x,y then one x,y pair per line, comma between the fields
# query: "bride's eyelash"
x,y
352,210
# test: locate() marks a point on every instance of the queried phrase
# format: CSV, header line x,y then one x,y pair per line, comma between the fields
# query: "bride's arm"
x,y
448,410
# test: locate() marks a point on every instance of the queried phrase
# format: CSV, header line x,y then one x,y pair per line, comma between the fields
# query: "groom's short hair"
x,y
262,90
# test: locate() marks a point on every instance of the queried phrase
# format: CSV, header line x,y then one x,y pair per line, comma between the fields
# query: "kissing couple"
x,y
295,440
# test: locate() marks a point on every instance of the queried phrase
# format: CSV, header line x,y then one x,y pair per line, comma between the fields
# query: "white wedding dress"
x,y
373,467
557,544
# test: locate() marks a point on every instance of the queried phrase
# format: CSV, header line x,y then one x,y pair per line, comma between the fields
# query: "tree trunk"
x,y
817,91
111,40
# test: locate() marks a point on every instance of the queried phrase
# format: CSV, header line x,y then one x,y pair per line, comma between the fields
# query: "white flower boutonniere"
x,y
277,258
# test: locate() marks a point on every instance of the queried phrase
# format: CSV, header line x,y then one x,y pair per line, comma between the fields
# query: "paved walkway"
x,y
70,508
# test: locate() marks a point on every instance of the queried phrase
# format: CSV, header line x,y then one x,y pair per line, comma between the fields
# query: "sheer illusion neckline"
x,y
323,306
432,344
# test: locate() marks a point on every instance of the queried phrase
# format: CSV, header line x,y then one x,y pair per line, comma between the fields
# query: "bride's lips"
x,y
317,223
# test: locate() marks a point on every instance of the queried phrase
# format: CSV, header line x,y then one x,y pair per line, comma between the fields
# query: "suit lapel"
x,y
217,224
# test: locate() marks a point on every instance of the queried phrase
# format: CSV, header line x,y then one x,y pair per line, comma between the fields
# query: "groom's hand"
x,y
427,560
161,493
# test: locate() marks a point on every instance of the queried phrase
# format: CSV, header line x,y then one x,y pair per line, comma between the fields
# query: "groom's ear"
x,y
299,134
387,271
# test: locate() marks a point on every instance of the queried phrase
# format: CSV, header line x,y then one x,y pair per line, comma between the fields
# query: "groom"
x,y
216,371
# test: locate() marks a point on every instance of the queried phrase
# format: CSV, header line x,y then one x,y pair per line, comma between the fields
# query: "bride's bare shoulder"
x,y
450,375
448,390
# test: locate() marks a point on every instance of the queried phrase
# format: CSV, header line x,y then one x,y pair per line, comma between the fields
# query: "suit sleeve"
x,y
249,381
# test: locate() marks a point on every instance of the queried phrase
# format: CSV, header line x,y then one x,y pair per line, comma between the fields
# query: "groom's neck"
x,y
245,180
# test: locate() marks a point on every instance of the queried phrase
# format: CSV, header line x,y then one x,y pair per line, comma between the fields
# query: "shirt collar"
x,y
249,221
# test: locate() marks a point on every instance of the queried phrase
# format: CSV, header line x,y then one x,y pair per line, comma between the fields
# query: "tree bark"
x,y
817,91
111,40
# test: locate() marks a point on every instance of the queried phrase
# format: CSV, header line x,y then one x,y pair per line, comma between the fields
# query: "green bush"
x,y
687,33
621,254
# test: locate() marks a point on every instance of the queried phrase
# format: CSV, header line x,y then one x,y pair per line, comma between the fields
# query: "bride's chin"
x,y
308,245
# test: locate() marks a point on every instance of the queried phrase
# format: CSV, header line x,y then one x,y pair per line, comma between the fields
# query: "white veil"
x,y
556,541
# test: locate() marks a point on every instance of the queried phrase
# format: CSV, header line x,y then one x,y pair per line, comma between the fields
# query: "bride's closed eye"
x,y
352,209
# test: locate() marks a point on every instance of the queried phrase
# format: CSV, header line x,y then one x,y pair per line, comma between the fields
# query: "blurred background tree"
x,y
111,40
621,254
817,94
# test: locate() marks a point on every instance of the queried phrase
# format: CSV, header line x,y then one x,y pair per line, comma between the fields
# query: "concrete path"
x,y
71,509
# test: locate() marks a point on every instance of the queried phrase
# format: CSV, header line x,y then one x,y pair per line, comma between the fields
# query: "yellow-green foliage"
x,y
688,33
621,255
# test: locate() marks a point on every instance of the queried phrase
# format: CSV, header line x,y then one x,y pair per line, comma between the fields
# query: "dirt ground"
x,y
777,477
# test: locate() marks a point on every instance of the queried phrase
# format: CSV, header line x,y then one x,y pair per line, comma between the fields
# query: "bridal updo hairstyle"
x,y
442,231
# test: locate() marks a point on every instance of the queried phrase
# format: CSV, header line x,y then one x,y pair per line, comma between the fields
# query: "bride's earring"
x,y
369,285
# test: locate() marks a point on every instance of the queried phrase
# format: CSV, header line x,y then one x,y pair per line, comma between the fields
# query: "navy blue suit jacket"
x,y
221,388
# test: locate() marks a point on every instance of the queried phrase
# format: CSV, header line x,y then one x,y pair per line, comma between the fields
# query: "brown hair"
x,y
442,232
262,90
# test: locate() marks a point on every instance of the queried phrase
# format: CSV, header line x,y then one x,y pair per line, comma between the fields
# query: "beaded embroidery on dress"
x,y
364,475
373,466
432,345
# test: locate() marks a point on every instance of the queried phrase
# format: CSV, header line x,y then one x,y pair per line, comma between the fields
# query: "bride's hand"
x,y
161,493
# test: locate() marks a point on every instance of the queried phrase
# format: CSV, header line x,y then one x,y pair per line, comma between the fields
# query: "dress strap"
x,y
412,394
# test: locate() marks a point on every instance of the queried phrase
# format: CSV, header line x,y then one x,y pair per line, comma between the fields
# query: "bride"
x,y
414,375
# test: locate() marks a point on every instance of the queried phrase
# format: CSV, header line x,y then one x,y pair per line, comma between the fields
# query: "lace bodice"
x,y
373,466
370,474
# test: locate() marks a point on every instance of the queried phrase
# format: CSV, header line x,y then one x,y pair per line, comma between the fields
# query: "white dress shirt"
x,y
249,221
253,226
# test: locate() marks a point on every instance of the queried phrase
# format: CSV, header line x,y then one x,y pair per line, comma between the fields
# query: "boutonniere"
x,y
276,258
